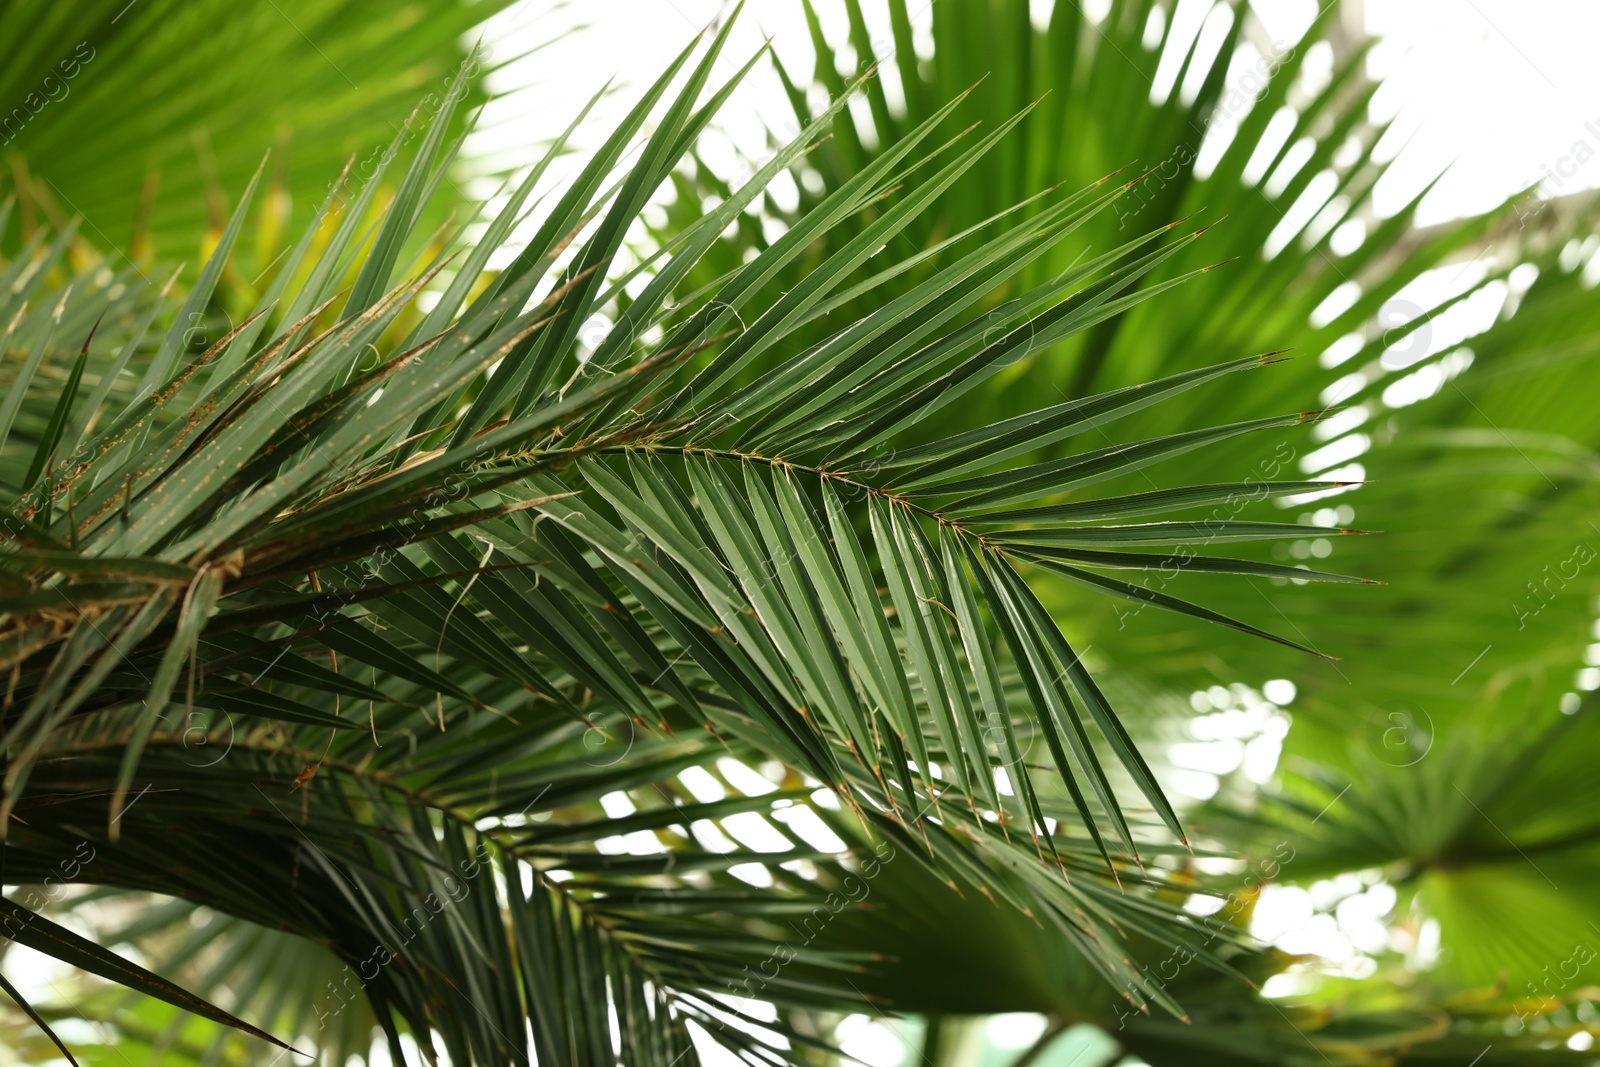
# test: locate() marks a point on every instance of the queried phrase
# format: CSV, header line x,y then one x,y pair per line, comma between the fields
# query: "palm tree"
x,y
516,679
1429,755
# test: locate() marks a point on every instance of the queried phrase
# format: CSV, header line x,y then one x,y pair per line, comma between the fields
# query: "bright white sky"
x,y
1500,91
1505,89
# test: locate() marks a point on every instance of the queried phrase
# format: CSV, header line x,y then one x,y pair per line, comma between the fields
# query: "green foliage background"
x,y
1447,751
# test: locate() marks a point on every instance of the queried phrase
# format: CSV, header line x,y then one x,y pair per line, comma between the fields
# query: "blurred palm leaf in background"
x,y
147,118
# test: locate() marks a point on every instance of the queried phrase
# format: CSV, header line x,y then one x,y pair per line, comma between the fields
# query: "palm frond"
x,y
501,540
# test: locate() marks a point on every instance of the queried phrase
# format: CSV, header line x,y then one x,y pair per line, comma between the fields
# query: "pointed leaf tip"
x,y
38,1020
1105,179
